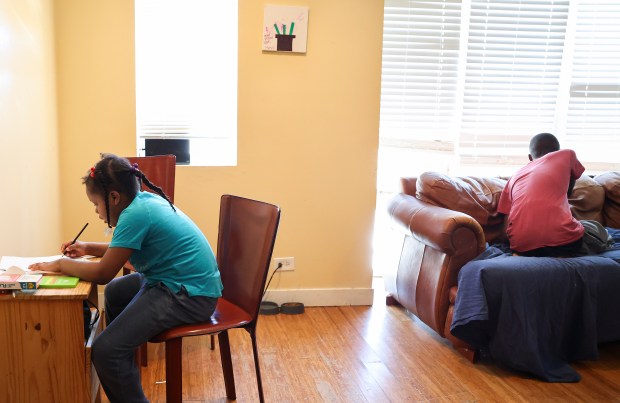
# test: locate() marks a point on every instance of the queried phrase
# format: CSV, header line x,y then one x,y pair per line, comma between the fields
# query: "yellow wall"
x,y
316,157
29,206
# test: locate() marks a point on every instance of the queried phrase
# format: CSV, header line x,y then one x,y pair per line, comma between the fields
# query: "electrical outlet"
x,y
288,263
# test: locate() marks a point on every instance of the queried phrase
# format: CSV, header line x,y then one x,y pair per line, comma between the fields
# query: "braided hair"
x,y
116,173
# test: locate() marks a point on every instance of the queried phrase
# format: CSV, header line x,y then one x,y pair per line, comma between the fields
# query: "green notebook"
x,y
58,282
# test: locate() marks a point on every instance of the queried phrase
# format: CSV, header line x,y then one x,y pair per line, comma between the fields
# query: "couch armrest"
x,y
432,225
438,242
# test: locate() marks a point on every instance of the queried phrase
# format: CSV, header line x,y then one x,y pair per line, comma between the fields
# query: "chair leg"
x,y
174,370
142,358
227,368
144,354
259,379
212,342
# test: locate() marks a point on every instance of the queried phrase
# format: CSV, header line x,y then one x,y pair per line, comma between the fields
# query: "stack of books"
x,y
20,281
32,282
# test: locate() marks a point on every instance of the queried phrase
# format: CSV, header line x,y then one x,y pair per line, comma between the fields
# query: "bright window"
x,y
466,83
186,76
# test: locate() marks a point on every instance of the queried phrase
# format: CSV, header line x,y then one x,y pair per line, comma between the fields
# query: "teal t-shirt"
x,y
167,246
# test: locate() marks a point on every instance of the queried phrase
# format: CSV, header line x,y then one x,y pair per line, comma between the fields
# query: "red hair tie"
x,y
92,172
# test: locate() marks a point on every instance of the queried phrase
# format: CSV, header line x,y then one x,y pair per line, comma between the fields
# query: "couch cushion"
x,y
475,196
586,201
408,185
611,210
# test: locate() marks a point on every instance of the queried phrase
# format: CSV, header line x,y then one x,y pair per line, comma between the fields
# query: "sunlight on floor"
x,y
374,328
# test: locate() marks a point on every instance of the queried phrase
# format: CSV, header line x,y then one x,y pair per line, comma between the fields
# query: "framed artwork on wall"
x,y
285,29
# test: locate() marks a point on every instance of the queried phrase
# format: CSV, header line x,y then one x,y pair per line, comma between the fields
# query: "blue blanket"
x,y
538,314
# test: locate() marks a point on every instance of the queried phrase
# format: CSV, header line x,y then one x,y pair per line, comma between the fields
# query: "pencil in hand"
x,y
75,239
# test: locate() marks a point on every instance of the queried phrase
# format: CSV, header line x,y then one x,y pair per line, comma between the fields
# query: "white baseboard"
x,y
314,297
322,296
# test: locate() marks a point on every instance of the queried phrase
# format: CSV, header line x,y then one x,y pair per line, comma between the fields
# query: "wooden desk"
x,y
45,357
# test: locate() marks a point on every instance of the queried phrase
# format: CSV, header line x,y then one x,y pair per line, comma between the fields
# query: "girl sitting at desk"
x,y
176,280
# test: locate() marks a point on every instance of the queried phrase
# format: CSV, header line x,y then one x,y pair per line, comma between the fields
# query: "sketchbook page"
x,y
23,262
20,271
19,265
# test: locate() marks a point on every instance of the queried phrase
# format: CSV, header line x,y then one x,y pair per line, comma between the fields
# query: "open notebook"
x,y
19,265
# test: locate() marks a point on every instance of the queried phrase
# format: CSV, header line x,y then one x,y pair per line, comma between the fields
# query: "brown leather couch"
x,y
447,221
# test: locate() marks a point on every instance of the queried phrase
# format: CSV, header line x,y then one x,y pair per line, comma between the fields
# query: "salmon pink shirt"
x,y
536,203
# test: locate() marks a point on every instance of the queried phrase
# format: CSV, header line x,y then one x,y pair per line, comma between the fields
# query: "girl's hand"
x,y
76,250
47,266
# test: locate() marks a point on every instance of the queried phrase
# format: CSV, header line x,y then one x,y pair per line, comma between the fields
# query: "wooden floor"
x,y
366,354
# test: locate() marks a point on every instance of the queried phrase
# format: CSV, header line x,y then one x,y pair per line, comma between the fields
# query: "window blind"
x,y
479,78
512,75
420,72
593,114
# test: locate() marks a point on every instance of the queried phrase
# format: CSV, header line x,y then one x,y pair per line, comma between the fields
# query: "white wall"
x,y
30,200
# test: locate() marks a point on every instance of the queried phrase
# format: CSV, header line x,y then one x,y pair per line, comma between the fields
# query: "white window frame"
x,y
186,76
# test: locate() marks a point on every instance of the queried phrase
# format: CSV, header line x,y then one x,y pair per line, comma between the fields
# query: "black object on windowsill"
x,y
178,147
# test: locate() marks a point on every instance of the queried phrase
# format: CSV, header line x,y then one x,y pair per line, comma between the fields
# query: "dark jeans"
x,y
568,250
594,241
134,314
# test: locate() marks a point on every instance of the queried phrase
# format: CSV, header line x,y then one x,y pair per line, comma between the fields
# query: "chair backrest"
x,y
247,234
160,169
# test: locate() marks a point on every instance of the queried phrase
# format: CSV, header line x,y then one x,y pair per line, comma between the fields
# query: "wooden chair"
x,y
247,233
160,170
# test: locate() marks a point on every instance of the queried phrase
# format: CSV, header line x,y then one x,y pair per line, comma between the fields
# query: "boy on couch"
x,y
535,199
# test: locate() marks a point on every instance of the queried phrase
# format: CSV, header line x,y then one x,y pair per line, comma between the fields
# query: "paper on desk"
x,y
19,265
19,270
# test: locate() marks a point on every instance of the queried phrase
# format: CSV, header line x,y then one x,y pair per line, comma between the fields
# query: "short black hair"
x,y
543,144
